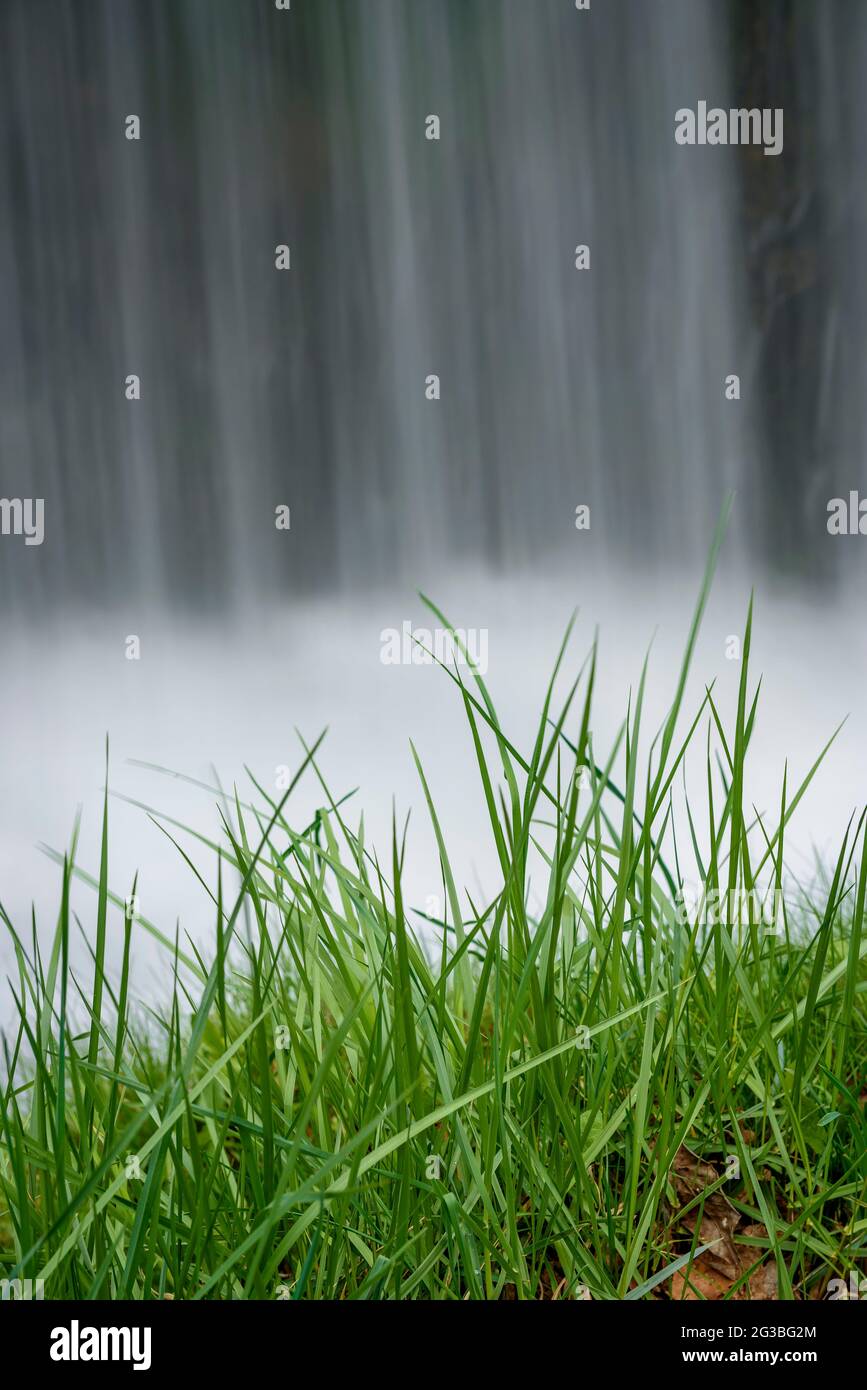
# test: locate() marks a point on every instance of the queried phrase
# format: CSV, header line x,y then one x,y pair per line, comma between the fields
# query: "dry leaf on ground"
x,y
714,1273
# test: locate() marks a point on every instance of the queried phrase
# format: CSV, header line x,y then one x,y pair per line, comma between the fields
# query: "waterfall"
x,y
410,258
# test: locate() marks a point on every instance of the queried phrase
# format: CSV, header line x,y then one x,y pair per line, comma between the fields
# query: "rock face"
x,y
802,218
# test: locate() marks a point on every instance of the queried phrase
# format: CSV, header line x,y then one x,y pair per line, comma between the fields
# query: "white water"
x,y
409,258
201,694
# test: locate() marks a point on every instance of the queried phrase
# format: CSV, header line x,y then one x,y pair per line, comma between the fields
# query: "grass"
x,y
503,1106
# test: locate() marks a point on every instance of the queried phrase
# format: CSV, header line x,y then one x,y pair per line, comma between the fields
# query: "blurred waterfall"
x,y
409,258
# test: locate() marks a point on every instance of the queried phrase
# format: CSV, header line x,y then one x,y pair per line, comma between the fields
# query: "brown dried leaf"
x,y
691,1175
702,1283
715,1271
763,1281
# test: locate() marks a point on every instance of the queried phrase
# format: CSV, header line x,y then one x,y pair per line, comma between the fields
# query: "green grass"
x,y
335,1105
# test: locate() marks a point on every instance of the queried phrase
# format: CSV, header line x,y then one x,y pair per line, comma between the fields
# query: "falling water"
x,y
409,258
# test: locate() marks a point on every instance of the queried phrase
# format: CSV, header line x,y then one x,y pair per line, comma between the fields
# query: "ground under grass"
x,y
640,1092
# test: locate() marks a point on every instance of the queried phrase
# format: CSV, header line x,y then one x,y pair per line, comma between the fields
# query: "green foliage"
x,y
336,1105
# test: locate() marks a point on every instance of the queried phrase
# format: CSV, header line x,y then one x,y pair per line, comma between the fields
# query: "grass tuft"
x,y
625,1095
